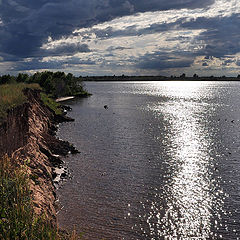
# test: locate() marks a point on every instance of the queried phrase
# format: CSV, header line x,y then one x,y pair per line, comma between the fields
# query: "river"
x,y
162,162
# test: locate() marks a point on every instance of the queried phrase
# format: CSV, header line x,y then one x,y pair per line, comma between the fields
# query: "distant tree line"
x,y
181,77
57,84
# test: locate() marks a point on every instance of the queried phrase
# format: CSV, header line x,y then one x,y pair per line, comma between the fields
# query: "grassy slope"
x,y
51,103
11,95
17,219
16,212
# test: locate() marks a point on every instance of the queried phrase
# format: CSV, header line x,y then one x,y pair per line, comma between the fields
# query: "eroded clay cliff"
x,y
27,136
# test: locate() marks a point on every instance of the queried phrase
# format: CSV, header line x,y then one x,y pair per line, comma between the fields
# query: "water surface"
x,y
162,162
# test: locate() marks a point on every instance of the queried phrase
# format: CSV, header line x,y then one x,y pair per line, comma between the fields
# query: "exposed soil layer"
x,y
28,136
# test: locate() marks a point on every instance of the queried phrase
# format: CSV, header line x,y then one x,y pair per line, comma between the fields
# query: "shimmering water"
x,y
162,162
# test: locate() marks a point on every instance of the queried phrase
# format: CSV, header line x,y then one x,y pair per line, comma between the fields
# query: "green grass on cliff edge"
x,y
17,218
11,95
51,103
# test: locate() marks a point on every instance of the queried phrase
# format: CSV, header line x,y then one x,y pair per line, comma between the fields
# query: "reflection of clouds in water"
x,y
190,197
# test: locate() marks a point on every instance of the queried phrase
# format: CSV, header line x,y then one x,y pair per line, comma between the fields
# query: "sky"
x,y
131,37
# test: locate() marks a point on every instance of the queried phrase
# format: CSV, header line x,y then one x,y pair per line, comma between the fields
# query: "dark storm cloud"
x,y
221,36
37,64
228,62
67,49
221,39
154,5
238,62
110,32
27,24
159,61
113,48
77,61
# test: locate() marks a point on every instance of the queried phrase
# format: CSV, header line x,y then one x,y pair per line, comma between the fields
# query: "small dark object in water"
x,y
232,121
219,119
106,106
229,153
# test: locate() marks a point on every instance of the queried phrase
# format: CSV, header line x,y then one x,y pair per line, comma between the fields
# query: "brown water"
x,y
163,162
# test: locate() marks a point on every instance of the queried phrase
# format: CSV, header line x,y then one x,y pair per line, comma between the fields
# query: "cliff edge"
x,y
28,137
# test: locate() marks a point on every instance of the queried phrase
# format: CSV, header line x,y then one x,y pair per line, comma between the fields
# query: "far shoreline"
x,y
124,78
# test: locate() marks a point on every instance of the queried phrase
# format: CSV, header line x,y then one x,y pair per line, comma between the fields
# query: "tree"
x,y
22,77
183,75
7,79
195,75
60,87
48,85
43,77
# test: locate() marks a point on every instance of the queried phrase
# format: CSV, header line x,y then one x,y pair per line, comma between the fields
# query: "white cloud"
x,y
169,42
221,8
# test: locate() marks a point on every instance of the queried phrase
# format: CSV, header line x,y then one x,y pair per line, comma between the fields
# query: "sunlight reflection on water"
x,y
190,192
160,149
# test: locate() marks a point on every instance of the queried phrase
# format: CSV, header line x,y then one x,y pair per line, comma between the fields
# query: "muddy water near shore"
x,y
161,162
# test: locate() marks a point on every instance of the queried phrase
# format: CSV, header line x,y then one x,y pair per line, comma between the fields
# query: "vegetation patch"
x,y
11,95
53,85
17,218
51,103
57,84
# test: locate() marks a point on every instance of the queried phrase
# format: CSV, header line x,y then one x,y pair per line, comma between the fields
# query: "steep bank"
x,y
28,136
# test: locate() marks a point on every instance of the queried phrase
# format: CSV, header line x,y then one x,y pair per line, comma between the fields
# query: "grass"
x,y
17,218
11,95
51,103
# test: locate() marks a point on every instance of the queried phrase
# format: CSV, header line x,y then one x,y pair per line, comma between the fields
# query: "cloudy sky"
x,y
131,37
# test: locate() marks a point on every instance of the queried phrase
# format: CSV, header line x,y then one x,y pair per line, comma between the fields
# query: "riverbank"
x,y
27,137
